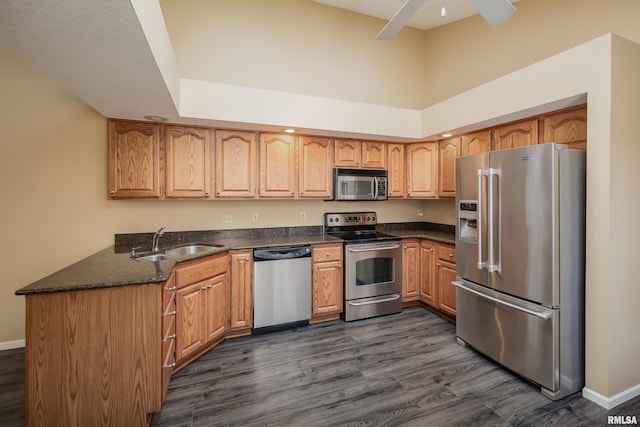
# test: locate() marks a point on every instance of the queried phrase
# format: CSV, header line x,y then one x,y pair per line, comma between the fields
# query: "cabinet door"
x,y
277,166
316,168
327,288
188,162
448,151
216,307
235,161
427,272
189,320
135,150
395,171
374,155
410,271
475,143
241,289
567,127
422,170
514,135
445,274
348,153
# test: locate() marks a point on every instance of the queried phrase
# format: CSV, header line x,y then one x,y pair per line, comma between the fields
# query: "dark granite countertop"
x,y
113,266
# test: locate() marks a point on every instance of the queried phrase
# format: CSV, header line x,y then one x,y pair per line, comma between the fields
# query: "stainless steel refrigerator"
x,y
520,262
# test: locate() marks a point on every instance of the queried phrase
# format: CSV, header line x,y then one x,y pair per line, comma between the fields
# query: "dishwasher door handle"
x,y
376,301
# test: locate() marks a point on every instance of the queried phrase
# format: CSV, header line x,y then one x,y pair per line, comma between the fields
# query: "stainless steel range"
x,y
372,265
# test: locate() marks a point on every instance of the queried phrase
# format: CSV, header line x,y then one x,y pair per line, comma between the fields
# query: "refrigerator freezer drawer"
x,y
518,334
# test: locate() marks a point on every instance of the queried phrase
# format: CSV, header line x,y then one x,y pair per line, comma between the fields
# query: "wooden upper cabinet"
x,y
448,151
360,154
235,162
519,134
395,171
348,153
566,127
422,170
277,166
187,165
374,155
475,143
135,153
316,167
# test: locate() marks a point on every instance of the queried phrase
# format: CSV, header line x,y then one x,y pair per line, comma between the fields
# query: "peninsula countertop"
x,y
114,266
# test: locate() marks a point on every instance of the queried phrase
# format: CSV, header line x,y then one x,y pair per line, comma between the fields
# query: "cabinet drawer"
x,y
322,253
200,270
447,253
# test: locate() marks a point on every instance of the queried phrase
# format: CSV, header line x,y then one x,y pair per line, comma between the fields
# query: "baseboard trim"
x,y
8,345
613,401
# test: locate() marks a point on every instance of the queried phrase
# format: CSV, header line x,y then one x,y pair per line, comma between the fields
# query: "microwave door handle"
x,y
375,187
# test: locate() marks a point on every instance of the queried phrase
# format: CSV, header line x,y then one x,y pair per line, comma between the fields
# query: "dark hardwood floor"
x,y
405,369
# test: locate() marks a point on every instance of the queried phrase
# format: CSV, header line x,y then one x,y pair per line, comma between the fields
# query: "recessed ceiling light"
x,y
446,135
290,130
155,118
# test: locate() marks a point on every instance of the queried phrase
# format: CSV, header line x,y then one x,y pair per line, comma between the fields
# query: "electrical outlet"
x,y
255,217
227,218
303,216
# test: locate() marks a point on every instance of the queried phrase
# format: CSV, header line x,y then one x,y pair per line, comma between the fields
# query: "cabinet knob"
x,y
430,249
246,259
450,255
328,254
113,192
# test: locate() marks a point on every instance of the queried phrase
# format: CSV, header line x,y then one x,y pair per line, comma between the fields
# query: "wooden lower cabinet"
x,y
168,333
241,275
93,357
445,274
428,268
327,282
410,270
202,306
427,272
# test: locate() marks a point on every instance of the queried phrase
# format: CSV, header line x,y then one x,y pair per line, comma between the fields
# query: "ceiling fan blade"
x,y
399,20
494,11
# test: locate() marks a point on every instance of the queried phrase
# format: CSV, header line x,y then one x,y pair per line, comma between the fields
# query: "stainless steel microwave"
x,y
359,184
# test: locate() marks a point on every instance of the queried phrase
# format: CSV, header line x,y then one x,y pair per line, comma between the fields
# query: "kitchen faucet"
x,y
156,239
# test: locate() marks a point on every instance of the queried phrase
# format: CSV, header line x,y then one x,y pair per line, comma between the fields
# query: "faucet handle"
x,y
133,251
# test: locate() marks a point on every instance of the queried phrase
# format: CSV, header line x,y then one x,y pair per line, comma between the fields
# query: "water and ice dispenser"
x,y
468,220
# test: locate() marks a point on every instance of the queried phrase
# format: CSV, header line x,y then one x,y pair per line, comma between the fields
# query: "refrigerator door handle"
x,y
544,316
492,266
481,263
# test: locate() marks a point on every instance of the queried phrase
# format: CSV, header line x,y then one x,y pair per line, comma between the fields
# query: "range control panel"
x,y
343,219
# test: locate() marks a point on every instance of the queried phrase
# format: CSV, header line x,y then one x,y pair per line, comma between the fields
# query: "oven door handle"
x,y
358,304
373,248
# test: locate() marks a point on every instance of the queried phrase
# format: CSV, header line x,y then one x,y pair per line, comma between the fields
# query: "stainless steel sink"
x,y
174,252
189,249
152,257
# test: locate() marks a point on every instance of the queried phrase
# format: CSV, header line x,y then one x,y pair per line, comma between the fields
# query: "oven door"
x,y
373,269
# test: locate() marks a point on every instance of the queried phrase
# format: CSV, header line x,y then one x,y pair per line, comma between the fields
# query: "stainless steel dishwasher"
x,y
281,288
